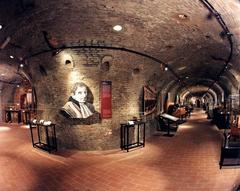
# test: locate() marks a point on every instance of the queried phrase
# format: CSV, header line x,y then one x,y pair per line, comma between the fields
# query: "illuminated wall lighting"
x,y
3,128
117,28
182,16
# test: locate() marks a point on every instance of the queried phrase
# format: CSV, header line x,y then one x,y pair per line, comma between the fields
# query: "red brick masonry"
x,y
187,161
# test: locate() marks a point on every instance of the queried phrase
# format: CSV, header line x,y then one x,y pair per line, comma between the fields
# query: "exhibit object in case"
x,y
230,151
170,119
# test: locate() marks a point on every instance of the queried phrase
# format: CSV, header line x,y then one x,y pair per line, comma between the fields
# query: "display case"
x,y
170,120
128,140
43,136
230,150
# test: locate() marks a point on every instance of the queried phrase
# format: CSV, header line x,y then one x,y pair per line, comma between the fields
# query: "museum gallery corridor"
x,y
187,161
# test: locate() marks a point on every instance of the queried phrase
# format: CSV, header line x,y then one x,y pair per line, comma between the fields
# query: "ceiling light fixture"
x,y
182,16
182,68
166,68
5,43
12,57
1,27
21,65
117,28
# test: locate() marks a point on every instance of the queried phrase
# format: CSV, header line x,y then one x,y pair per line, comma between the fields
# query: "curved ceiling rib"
x,y
185,95
180,36
225,32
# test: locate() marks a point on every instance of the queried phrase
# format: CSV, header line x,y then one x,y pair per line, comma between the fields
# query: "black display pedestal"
x,y
46,137
230,151
126,143
168,130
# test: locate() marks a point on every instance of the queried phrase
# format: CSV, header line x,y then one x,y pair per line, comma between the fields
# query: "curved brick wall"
x,y
53,89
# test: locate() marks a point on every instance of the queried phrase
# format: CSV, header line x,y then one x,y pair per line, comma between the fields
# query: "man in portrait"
x,y
77,105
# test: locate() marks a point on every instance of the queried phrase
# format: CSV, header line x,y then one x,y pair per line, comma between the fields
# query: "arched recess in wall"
x,y
186,94
231,81
220,92
199,81
236,74
33,98
226,84
17,94
216,88
166,95
208,98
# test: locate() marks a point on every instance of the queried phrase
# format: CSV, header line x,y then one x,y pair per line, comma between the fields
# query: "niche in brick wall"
x,y
136,71
106,63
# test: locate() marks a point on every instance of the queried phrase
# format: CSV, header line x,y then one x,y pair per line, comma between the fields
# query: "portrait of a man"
x,y
77,105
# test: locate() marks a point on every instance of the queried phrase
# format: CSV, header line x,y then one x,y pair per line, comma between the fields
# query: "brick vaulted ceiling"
x,y
182,34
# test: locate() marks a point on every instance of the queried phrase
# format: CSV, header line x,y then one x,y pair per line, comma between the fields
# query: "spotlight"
x,y
67,62
56,52
12,57
166,68
117,28
222,34
21,65
1,27
5,43
209,16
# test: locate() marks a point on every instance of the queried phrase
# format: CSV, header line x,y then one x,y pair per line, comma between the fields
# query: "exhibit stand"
x,y
45,136
170,120
130,140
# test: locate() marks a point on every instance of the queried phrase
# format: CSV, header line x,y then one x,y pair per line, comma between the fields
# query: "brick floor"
x,y
187,161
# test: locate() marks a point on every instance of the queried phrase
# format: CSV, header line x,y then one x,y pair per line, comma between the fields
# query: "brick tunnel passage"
x,y
187,161
87,67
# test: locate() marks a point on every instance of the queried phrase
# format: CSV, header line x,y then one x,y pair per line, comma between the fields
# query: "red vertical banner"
x,y
106,99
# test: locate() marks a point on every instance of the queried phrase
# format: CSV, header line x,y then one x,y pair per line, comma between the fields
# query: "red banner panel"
x,y
106,102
